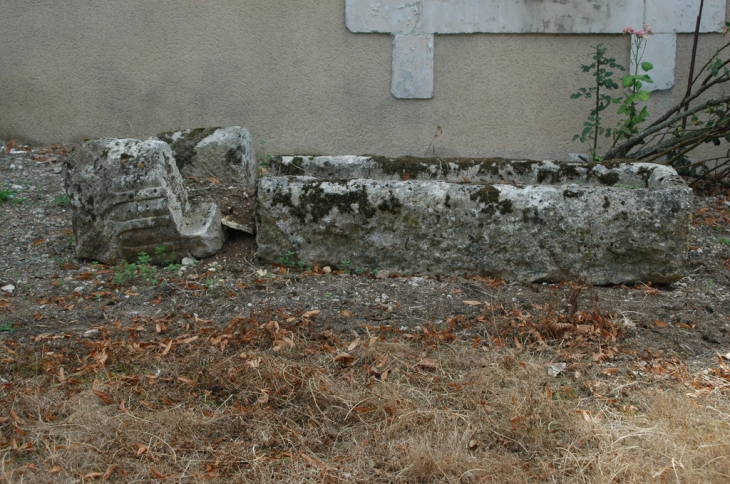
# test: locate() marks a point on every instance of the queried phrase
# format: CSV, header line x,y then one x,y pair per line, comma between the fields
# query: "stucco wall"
x,y
293,74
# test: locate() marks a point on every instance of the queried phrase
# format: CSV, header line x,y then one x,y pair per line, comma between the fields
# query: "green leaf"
x,y
647,66
643,95
576,95
627,81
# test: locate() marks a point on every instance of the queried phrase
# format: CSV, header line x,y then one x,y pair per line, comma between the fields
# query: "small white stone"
x,y
9,288
188,261
327,269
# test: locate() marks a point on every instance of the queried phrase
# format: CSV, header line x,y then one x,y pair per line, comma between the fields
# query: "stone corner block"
x,y
127,197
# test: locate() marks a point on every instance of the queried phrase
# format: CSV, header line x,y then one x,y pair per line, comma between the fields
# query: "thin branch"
x,y
623,149
694,57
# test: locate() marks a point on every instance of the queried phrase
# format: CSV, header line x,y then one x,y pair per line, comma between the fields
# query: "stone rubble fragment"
x,y
225,154
127,197
232,224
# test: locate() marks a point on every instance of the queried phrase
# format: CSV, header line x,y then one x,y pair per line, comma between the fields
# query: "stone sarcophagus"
x,y
520,220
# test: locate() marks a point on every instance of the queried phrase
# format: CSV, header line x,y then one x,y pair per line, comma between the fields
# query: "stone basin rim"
x,y
620,173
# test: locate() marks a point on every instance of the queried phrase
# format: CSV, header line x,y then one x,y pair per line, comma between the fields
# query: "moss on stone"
x,y
488,196
392,205
609,179
314,202
184,146
522,168
564,172
413,167
645,174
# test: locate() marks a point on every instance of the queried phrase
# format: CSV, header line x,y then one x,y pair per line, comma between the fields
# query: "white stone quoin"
x,y
413,24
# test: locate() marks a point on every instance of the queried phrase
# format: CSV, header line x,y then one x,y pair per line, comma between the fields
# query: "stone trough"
x,y
519,220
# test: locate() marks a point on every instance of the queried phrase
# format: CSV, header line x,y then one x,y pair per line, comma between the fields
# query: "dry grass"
x,y
265,401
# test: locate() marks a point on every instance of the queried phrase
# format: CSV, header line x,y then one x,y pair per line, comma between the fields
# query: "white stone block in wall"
x,y
412,67
661,52
529,16
387,16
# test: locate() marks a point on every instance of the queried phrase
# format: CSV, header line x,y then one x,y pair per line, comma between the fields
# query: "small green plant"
x,y
124,273
593,129
174,267
144,266
709,285
168,262
143,258
7,327
634,83
630,108
61,200
722,240
6,195
345,265
290,259
263,159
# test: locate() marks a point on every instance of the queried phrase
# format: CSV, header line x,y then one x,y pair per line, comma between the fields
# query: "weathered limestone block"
x,y
226,154
128,197
465,170
604,234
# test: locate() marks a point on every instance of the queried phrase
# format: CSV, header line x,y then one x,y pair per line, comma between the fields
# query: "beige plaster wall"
x,y
293,74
